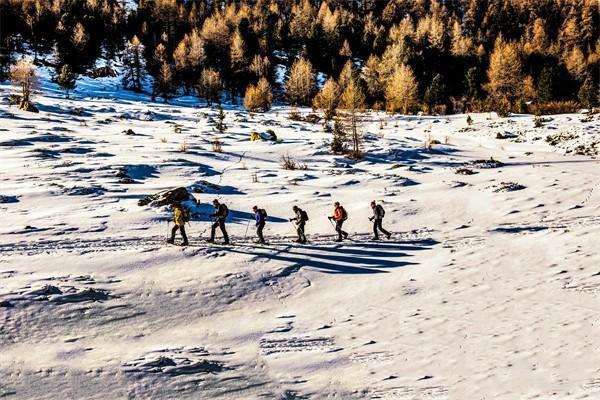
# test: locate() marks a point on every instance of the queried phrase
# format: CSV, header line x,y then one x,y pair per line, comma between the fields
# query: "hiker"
x,y
300,218
260,214
377,218
179,219
221,213
339,216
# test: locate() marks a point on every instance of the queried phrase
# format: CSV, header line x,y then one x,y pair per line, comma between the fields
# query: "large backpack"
x,y
303,215
344,214
186,214
380,211
225,211
263,213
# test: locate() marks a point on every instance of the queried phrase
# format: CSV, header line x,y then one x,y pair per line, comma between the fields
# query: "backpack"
x,y
303,216
185,213
344,214
225,211
263,214
380,210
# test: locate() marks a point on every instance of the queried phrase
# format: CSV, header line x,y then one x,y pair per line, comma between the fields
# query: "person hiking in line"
x,y
178,218
339,216
221,213
260,214
377,218
300,218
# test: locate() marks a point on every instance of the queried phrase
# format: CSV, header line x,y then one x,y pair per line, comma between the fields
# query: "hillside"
x,y
487,289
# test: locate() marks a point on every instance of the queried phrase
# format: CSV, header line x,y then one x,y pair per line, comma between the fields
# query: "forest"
x,y
434,56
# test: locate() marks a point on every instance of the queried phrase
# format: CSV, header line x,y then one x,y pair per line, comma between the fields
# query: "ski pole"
x,y
247,227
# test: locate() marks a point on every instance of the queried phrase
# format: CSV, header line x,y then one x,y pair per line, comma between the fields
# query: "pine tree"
x,y
220,125
66,79
505,72
345,50
461,45
188,57
436,92
300,85
25,75
546,86
133,61
237,53
473,84
260,66
353,104
302,18
327,99
238,62
589,93
372,78
402,90
163,84
158,59
347,75
80,37
576,64
209,86
259,97
338,144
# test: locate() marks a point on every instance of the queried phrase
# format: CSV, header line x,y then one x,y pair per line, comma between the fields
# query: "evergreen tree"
x,y
589,93
546,84
436,92
300,85
163,84
25,75
576,64
338,144
353,104
220,126
260,66
473,84
259,97
401,91
505,72
327,99
209,86
66,79
133,61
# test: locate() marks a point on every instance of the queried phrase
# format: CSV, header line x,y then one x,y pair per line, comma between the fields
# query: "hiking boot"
x,y
389,235
226,242
185,244
338,239
345,235
376,238
210,241
170,241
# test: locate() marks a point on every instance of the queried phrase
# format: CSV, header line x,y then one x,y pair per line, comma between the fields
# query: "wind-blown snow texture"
x,y
487,290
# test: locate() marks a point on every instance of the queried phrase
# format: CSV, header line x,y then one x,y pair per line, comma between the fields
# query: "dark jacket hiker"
x,y
221,213
377,218
300,218
260,214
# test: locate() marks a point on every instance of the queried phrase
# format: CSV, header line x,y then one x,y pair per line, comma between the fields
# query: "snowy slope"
x,y
488,288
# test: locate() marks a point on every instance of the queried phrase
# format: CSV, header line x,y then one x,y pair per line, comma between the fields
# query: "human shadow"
x,y
334,260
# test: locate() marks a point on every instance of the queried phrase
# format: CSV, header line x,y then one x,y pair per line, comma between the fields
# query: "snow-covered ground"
x,y
487,290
